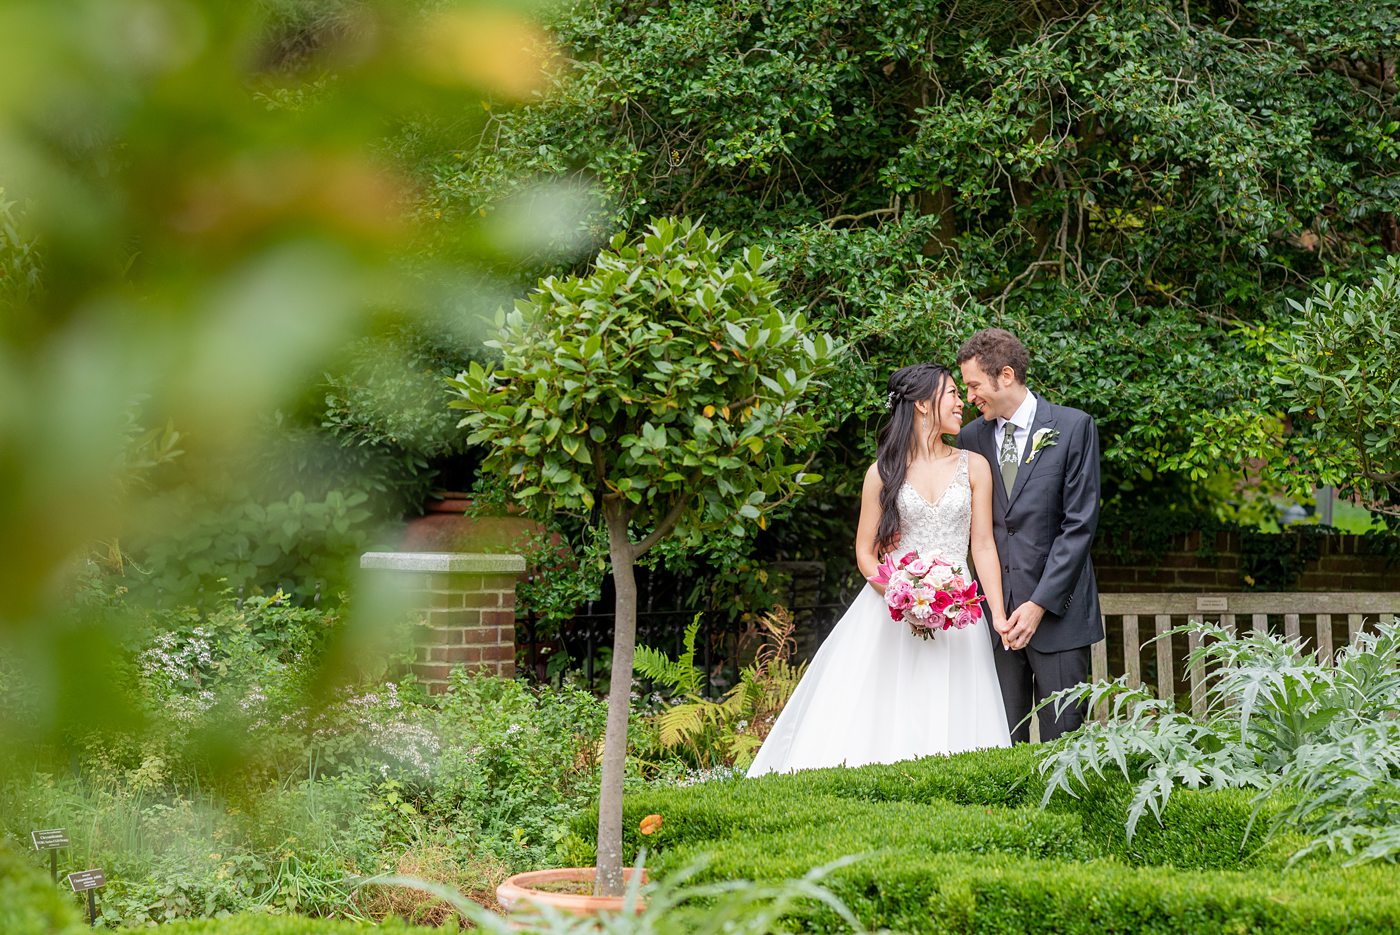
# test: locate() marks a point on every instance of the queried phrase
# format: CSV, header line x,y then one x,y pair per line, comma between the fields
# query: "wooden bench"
x,y
1315,618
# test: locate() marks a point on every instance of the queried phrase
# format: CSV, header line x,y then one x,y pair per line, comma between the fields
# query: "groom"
x,y
1045,508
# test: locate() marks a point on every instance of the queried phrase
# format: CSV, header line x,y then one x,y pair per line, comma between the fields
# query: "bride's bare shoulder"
x,y
977,465
872,476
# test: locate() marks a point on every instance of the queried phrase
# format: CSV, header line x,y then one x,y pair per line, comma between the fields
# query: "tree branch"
x,y
860,217
668,522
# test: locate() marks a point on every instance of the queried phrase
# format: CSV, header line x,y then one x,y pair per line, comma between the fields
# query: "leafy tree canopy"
x,y
1123,183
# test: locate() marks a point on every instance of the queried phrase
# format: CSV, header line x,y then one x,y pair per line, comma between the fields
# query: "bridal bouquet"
x,y
930,594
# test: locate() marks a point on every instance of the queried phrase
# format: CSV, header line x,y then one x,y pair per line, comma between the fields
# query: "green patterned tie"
x,y
1008,459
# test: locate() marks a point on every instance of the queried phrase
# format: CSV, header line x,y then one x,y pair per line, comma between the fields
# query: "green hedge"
x,y
30,904
961,844
260,924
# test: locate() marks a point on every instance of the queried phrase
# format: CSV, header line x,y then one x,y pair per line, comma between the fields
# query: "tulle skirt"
x,y
875,693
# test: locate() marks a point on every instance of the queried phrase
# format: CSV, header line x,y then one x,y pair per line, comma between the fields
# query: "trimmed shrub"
x,y
259,924
29,902
1200,829
960,844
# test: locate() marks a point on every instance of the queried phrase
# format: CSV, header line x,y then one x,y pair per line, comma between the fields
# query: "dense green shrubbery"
x,y
260,924
1121,183
960,843
29,902
461,789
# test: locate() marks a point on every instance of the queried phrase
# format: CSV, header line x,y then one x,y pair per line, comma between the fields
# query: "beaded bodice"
x,y
942,527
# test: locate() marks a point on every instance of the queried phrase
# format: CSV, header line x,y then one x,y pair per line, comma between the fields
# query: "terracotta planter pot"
x,y
519,892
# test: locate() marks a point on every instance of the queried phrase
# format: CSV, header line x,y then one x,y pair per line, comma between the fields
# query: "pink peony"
x,y
899,595
922,606
918,568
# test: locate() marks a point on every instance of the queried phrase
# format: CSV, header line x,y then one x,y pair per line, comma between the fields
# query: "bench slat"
x,y
1197,675
1132,650
1166,679
1369,603
1098,671
1324,638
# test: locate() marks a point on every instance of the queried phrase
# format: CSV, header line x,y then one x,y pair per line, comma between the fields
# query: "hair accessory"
x,y
889,400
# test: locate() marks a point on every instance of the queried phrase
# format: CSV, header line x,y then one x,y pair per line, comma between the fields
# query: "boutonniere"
x,y
1045,438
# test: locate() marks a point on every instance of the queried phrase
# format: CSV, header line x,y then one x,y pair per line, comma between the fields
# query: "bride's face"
x,y
947,408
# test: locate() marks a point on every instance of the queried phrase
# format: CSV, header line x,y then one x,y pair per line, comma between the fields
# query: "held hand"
x,y
1001,625
1022,624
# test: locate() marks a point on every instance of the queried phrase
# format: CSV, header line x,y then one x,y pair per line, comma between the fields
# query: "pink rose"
x,y
942,602
966,617
918,568
899,594
907,558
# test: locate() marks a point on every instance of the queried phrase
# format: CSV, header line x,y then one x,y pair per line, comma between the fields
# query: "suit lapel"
x,y
1044,418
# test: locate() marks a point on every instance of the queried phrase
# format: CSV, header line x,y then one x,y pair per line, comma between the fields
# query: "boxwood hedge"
x,y
961,844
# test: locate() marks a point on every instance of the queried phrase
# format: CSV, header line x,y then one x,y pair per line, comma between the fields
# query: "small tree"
x,y
661,393
1337,375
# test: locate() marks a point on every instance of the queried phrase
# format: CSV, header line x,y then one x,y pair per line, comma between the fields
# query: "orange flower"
x,y
650,824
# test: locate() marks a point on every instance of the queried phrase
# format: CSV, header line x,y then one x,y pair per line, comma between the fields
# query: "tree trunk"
x,y
608,881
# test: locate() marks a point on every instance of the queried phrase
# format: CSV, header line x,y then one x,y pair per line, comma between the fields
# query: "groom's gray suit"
x,y
1043,529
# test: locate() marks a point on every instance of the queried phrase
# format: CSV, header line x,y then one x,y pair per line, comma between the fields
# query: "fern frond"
x,y
680,675
693,677
683,722
656,666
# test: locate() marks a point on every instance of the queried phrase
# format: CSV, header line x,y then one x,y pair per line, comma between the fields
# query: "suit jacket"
x,y
1045,528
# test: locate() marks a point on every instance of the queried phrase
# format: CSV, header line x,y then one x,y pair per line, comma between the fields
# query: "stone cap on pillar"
x,y
479,563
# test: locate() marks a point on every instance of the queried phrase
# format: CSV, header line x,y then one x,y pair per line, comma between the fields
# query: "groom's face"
x,y
986,392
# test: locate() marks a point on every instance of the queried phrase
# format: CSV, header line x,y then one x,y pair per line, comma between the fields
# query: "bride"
x,y
875,693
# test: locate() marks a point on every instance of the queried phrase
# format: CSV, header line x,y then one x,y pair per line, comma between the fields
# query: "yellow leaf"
x,y
709,412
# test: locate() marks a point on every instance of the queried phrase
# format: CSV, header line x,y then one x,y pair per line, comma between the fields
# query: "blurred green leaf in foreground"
x,y
200,202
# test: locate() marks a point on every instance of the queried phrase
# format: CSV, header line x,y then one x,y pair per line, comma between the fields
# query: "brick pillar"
x,y
467,603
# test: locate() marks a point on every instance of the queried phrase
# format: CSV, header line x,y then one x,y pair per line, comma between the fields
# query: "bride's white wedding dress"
x,y
875,693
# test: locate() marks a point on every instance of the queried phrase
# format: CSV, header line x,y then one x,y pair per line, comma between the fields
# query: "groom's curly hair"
x,y
995,349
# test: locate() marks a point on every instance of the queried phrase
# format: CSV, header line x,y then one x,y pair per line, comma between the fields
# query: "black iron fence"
x,y
584,642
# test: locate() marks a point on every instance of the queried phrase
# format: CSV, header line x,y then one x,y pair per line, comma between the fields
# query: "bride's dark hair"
x,y
908,385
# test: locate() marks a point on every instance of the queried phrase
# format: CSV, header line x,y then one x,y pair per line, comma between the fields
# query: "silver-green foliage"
x,y
1320,741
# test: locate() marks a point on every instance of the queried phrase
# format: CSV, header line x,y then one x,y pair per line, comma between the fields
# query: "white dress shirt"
x,y
1021,421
